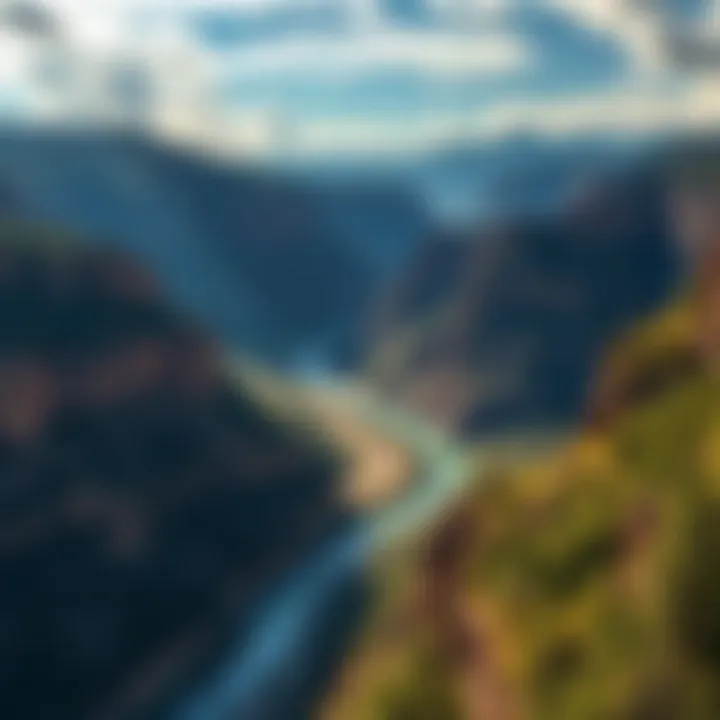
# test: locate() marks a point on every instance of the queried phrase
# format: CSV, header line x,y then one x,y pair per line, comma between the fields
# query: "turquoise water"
x,y
270,672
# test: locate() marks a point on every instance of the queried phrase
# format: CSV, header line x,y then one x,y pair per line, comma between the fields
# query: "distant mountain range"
x,y
500,324
281,268
515,174
518,174
481,254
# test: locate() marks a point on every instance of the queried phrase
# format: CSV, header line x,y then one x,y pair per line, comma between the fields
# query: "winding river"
x,y
277,670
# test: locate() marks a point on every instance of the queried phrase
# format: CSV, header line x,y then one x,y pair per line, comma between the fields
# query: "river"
x,y
299,634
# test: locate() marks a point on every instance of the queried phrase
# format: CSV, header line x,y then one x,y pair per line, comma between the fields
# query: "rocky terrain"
x,y
582,583
500,326
144,499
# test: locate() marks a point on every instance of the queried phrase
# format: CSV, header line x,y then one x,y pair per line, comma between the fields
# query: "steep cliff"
x,y
144,499
501,326
584,583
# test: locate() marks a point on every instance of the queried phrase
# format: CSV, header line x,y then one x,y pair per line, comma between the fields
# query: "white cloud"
x,y
365,14
637,29
362,136
337,56
459,9
183,77
630,109
633,109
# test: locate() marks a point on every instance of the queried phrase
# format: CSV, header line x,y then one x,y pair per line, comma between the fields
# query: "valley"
x,y
359,360
401,474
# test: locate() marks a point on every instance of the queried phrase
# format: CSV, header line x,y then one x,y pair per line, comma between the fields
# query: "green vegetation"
x,y
584,585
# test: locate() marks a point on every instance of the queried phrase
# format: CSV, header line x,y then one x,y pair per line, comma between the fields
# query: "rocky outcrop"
x,y
684,339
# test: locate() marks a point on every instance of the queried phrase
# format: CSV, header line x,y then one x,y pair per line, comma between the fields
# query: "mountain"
x,y
277,267
582,583
478,179
145,499
499,325
382,217
516,175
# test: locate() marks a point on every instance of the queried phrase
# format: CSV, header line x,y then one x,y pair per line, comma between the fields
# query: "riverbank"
x,y
379,468
285,665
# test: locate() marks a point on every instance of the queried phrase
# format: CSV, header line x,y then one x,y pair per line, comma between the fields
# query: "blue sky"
x,y
366,76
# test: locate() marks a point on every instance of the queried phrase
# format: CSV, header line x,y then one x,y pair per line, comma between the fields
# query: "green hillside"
x,y
583,585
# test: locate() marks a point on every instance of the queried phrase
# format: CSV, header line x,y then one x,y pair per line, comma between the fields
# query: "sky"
x,y
269,78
